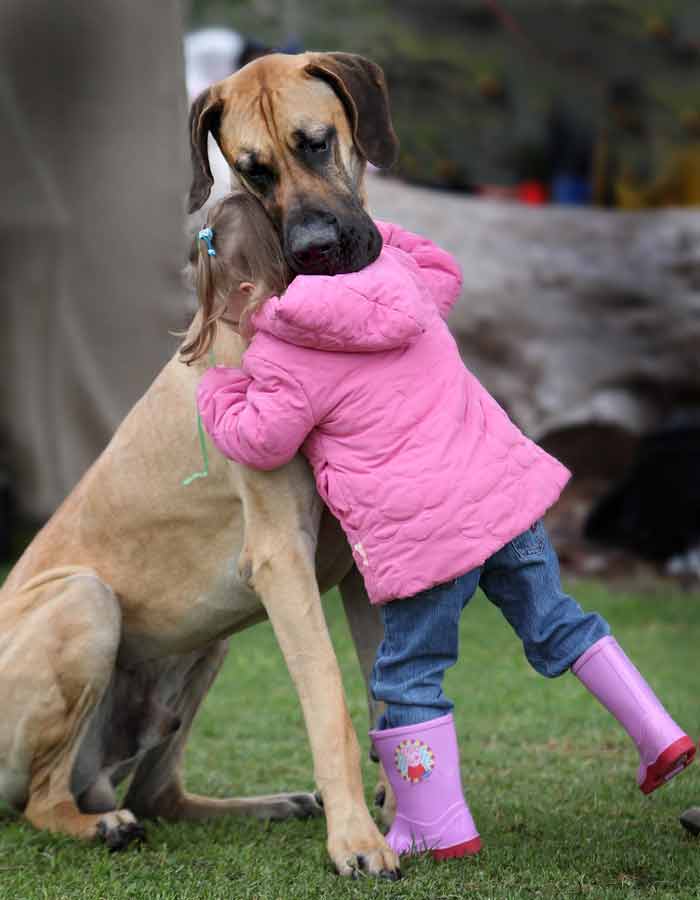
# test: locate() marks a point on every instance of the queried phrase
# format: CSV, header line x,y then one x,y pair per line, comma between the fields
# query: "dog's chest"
x,y
191,617
225,606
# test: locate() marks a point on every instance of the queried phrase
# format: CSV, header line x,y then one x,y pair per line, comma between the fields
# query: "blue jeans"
x,y
421,633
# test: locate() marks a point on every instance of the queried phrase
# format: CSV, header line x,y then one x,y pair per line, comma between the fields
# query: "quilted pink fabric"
x,y
426,473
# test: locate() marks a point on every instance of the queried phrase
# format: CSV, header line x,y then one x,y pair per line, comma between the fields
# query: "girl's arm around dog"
x,y
258,415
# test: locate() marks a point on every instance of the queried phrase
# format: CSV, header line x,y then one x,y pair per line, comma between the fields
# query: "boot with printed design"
x,y
422,765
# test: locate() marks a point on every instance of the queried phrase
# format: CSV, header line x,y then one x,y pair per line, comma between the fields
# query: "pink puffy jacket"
x,y
426,473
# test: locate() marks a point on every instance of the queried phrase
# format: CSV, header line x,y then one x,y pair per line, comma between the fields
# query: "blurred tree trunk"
x,y
93,169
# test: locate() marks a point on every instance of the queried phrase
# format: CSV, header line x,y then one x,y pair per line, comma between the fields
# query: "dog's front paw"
x,y
118,829
357,855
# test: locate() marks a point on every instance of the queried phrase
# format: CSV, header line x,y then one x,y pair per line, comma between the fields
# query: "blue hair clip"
x,y
207,235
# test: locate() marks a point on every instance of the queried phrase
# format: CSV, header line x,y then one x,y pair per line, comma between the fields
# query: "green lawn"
x,y
550,778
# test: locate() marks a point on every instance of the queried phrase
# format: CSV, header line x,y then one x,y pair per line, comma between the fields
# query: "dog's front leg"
x,y
278,562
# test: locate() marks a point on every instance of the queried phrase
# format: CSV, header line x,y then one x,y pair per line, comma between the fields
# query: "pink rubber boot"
x,y
664,749
422,765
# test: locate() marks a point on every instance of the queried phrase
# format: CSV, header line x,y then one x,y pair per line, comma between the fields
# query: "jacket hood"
x,y
382,307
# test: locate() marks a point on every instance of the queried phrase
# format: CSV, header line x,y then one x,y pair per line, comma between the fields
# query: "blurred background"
x,y
512,93
552,145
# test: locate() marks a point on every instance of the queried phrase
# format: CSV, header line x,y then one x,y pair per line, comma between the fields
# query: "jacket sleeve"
x,y
440,270
258,415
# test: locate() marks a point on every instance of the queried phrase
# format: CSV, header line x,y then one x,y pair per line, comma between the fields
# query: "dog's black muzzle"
x,y
319,242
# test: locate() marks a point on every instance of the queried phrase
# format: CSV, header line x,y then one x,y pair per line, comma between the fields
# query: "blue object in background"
x,y
570,190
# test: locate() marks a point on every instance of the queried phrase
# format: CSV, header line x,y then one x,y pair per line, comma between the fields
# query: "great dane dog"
x,y
115,621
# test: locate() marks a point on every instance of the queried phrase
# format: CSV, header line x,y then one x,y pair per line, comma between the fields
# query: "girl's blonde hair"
x,y
247,249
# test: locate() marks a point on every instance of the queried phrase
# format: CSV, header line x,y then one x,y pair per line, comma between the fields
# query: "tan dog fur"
x,y
116,620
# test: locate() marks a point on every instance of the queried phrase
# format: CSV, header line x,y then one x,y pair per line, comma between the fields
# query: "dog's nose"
x,y
313,242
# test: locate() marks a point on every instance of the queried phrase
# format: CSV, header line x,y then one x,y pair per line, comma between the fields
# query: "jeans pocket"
x,y
530,543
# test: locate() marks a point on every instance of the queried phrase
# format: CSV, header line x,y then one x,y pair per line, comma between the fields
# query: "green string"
x,y
205,455
202,441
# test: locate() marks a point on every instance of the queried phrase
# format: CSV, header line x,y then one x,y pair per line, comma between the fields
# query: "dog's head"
x,y
297,131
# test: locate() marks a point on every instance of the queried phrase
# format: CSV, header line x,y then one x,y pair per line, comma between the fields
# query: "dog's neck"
x,y
227,348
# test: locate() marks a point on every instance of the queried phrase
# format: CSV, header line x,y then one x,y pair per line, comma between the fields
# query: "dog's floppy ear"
x,y
205,115
360,85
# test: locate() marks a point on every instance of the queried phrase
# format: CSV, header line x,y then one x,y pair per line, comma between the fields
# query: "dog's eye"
x,y
317,144
258,172
259,176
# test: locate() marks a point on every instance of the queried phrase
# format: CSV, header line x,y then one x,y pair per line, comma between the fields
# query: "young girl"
x,y
437,490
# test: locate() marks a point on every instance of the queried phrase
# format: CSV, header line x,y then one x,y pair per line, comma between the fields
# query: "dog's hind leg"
x,y
367,632
156,789
366,629
72,635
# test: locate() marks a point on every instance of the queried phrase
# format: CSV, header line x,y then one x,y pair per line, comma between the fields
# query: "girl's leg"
x,y
522,579
416,740
421,641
